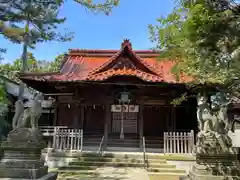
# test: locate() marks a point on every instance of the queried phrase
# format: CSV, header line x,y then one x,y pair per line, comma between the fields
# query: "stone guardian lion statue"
x,y
30,115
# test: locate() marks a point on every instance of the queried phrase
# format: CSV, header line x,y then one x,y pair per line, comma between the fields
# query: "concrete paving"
x,y
112,173
109,173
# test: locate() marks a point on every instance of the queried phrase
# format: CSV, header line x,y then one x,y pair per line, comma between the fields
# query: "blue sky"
x,y
97,31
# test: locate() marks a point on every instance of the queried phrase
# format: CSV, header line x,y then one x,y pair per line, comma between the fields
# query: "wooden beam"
x,y
82,116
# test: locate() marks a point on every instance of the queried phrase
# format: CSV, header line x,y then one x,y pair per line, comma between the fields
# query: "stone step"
x,y
123,149
166,170
125,139
89,143
121,164
153,141
110,154
81,171
167,176
91,148
94,167
91,135
119,143
77,168
97,140
130,145
162,161
152,145
92,138
99,135
103,159
158,165
73,171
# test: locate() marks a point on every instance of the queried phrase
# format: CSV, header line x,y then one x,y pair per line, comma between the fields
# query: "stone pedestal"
x,y
215,167
22,156
215,159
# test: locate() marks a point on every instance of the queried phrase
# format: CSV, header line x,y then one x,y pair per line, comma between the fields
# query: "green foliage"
x,y
105,7
11,70
11,32
3,98
55,65
41,19
3,108
204,39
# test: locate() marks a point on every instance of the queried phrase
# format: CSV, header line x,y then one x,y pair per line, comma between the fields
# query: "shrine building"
x,y
123,94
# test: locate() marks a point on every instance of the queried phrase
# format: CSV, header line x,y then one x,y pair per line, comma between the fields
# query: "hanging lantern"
x,y
124,97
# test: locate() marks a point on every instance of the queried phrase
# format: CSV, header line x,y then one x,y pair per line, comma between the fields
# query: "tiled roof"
x,y
90,65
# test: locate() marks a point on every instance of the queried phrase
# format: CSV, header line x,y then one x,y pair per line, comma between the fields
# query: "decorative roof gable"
x,y
126,58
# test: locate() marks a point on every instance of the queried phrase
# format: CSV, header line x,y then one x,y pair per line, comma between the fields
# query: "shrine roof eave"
x,y
50,86
66,82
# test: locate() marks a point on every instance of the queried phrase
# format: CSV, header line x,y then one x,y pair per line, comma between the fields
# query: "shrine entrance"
x,y
126,116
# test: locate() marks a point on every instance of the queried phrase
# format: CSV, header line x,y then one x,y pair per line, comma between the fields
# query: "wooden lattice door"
x,y
130,122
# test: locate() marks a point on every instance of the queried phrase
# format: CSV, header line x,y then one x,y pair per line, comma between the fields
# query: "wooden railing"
x,y
48,133
49,130
68,139
179,143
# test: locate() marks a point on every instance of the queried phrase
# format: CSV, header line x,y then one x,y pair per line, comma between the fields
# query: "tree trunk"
x,y
24,60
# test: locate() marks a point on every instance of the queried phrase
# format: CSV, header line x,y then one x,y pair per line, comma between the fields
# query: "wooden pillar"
x,y
106,123
82,116
55,118
168,119
141,125
173,119
76,115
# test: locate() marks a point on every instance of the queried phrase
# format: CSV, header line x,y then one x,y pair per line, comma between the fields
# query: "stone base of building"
x,y
22,156
218,167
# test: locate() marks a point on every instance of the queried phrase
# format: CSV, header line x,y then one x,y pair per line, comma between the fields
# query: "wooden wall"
x,y
94,118
155,120
88,101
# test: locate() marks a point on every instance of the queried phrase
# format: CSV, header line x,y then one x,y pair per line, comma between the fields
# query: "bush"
x,y
1,153
3,125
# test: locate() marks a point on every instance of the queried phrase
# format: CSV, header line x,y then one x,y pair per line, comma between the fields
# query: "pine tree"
x,y
105,7
40,19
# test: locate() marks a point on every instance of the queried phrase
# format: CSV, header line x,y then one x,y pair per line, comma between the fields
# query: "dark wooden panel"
x,y
65,115
94,119
155,120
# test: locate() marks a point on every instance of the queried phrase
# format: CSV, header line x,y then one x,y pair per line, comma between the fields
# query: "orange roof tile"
x,y
86,65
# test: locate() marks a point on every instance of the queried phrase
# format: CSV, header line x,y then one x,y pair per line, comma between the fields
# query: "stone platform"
x,y
22,156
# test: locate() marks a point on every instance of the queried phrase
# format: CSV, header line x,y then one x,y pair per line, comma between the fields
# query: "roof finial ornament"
x,y
126,43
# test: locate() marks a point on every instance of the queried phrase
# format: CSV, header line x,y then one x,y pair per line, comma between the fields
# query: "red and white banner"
x,y
133,108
